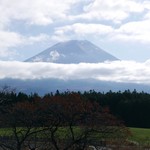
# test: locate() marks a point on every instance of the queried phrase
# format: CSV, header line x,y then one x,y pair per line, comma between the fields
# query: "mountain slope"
x,y
73,51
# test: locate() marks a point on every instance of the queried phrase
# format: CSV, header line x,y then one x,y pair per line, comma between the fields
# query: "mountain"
x,y
73,51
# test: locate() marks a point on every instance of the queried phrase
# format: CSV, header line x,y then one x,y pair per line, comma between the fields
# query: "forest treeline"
x,y
132,107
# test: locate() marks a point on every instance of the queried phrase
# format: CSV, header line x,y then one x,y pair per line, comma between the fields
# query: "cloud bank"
x,y
117,71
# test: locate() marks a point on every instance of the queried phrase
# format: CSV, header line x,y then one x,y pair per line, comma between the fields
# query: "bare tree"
x,y
22,122
81,122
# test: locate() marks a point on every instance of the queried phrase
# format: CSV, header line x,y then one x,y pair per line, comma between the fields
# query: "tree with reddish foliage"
x,y
60,122
83,120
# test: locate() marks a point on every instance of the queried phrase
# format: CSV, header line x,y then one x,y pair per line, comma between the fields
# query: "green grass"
x,y
140,135
5,132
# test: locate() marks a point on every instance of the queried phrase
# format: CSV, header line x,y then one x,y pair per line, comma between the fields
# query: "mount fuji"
x,y
73,51
65,53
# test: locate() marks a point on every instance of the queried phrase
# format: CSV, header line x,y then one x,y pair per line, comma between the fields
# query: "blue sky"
x,y
120,27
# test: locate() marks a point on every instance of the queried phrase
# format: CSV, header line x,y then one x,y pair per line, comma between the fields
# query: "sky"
x,y
120,27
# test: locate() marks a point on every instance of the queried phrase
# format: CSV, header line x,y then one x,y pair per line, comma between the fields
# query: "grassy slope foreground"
x,y
141,135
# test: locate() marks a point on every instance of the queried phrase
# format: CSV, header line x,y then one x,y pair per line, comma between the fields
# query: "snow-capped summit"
x,y
73,51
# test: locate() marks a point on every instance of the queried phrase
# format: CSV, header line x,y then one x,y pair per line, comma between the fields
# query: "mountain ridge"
x,y
73,51
44,86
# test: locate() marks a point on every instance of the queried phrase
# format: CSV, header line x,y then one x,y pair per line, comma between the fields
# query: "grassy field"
x,y
5,132
140,135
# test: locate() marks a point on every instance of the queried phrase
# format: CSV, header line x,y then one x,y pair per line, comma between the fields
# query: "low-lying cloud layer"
x,y
117,71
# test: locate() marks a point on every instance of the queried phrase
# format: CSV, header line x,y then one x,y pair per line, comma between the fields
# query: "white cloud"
x,y
12,40
38,12
137,31
147,7
8,40
117,71
82,30
113,10
45,12
133,31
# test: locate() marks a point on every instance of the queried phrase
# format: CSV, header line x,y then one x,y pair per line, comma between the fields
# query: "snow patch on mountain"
x,y
54,55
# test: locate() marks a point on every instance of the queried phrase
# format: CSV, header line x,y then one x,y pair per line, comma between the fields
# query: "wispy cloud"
x,y
35,12
117,71
12,40
83,29
45,12
133,32
113,10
